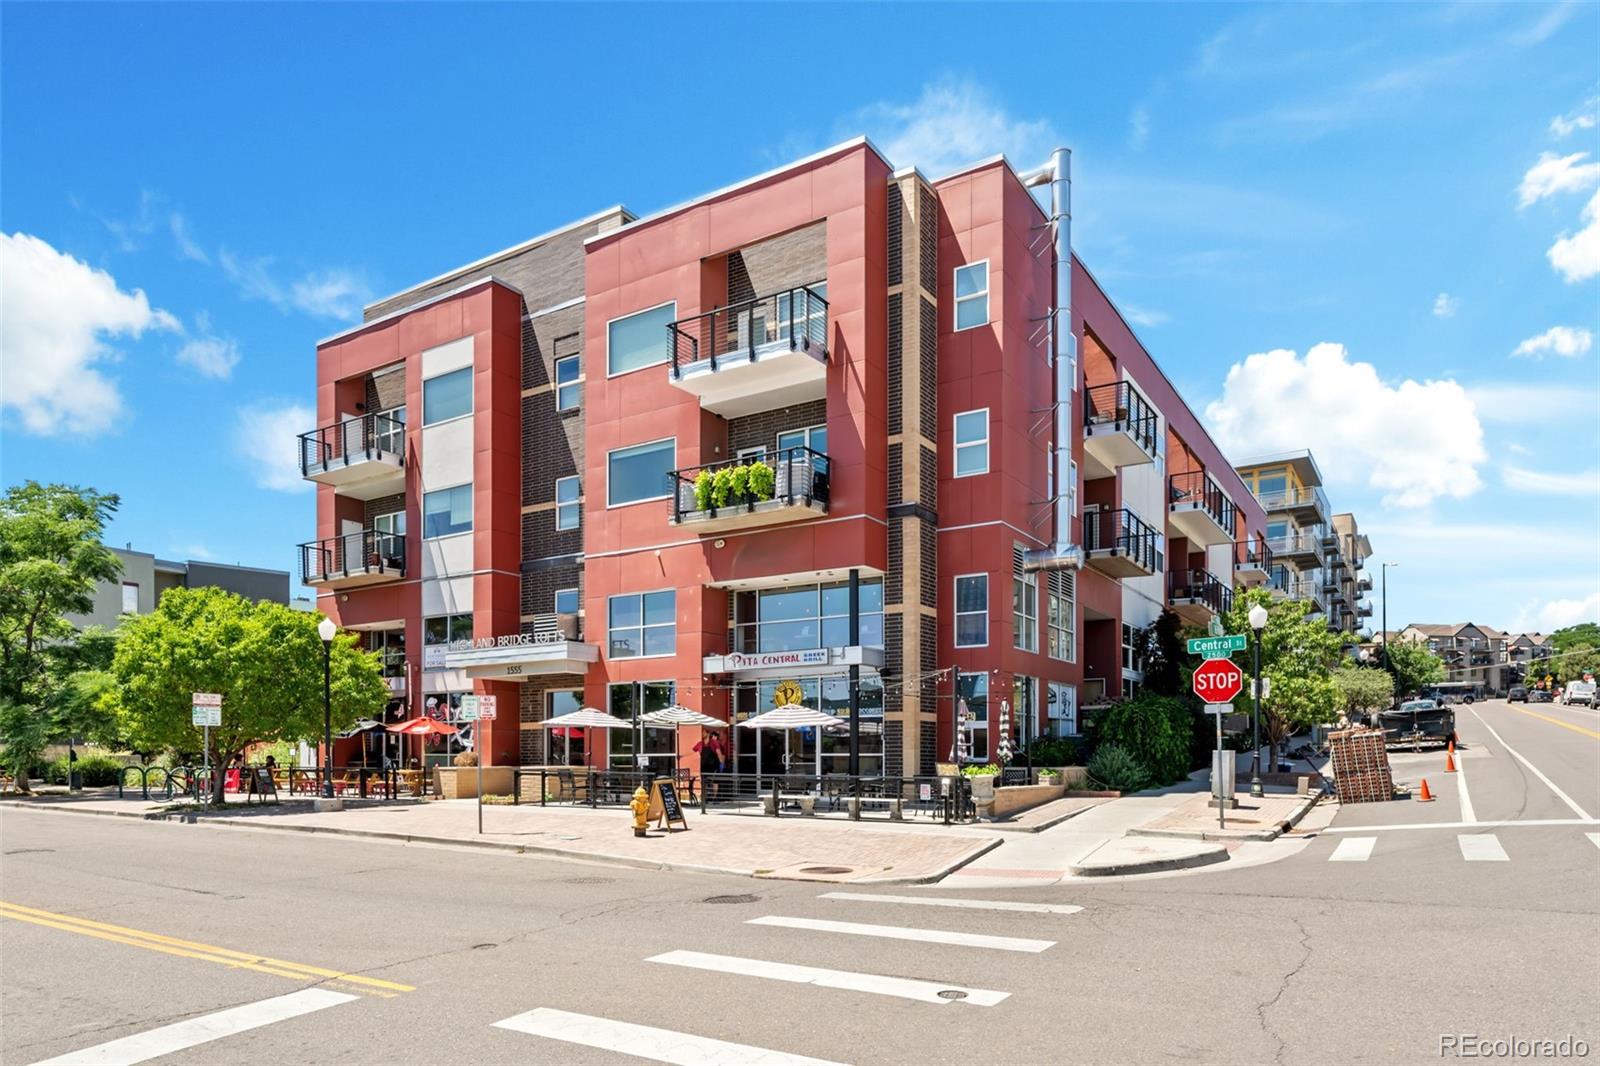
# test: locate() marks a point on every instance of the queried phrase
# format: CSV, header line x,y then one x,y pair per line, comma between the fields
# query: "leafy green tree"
x,y
1162,652
1576,661
1363,690
264,658
51,559
1582,635
1413,666
1298,655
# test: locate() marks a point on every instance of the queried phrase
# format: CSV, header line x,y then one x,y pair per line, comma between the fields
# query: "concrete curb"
x,y
979,848
1207,857
1002,827
1273,833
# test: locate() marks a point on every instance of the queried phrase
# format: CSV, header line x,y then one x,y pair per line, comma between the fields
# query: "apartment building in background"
x,y
1472,654
1315,555
145,578
836,421
1525,653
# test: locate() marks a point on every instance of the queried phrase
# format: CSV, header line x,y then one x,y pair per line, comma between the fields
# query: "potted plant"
x,y
761,480
982,779
702,490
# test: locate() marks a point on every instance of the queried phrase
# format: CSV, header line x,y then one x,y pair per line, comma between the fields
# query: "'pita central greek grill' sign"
x,y
768,660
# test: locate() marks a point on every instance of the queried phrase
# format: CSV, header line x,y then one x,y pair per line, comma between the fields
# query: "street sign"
x,y
206,709
486,709
1216,647
468,711
1218,681
1266,688
1219,708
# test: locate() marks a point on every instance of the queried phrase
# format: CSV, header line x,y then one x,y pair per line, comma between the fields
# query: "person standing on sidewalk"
x,y
710,760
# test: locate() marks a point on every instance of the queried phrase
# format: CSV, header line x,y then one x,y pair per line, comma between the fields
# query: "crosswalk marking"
x,y
1353,849
898,932
202,1030
648,1042
1483,847
903,987
946,901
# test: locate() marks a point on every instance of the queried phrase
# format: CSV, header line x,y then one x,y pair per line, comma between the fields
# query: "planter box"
x,y
1011,799
461,782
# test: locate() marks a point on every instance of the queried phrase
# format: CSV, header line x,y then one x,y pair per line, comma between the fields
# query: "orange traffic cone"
x,y
1425,796
1450,745
1449,763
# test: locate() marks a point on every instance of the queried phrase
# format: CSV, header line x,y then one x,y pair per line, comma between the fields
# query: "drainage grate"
x,y
826,870
589,880
952,993
731,899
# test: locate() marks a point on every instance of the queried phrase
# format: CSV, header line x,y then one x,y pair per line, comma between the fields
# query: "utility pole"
x,y
1383,624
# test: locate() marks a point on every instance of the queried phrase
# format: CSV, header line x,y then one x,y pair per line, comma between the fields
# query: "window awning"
x,y
516,662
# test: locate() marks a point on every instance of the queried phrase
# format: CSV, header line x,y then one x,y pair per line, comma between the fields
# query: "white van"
x,y
1579,692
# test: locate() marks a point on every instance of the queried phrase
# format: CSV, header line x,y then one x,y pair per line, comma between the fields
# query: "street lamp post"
x,y
1258,622
326,630
1383,624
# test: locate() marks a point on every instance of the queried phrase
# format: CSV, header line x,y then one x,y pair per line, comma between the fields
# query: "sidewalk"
x,y
799,849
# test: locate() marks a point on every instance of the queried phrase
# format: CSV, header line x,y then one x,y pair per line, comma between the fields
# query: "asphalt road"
x,y
418,953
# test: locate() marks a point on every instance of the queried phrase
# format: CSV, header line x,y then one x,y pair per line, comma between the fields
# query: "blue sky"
x,y
1396,209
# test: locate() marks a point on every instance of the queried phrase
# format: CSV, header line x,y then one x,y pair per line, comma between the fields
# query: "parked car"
x,y
1539,695
1518,694
1415,721
1581,692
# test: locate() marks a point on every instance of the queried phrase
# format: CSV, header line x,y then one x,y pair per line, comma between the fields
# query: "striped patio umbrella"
x,y
959,751
1003,748
789,716
677,715
587,718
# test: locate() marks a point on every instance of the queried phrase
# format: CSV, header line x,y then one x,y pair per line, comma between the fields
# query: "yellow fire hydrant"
x,y
639,806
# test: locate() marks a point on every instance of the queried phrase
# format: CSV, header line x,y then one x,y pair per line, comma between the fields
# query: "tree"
x,y
264,658
1576,661
1298,655
1161,651
1412,665
51,559
1363,690
1582,635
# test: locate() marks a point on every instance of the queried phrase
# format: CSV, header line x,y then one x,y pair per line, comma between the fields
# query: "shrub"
x,y
702,490
466,758
1058,751
94,771
1117,768
990,770
762,480
1156,730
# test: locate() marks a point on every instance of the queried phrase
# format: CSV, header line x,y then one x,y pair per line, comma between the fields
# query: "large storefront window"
x,y
438,633
974,690
803,617
809,751
446,707
564,746
629,700
1024,710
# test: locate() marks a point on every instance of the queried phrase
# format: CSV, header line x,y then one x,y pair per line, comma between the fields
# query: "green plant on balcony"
x,y
734,485
762,480
702,490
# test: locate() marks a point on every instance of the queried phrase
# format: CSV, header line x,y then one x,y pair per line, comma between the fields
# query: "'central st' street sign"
x,y
1216,647
1218,681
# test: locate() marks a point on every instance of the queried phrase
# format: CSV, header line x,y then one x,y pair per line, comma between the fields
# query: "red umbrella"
x,y
423,727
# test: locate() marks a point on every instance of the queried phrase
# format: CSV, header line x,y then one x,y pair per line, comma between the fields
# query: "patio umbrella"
x,y
958,750
677,715
789,716
1003,750
422,727
585,718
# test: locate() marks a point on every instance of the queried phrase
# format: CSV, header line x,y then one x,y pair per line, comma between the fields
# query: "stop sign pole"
x,y
1217,682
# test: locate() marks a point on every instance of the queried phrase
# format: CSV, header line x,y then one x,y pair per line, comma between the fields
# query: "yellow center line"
x,y
193,950
1556,721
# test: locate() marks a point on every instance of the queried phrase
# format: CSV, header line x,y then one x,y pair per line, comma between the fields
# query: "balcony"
x,y
1197,595
1308,588
1119,429
351,560
1198,509
1301,549
362,457
1305,506
752,356
1364,610
1121,544
739,495
1364,583
1254,565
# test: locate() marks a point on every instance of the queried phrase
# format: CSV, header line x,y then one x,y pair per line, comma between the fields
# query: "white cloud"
x,y
326,293
1576,257
267,437
1580,118
1566,341
954,123
1144,316
211,355
1554,174
55,315
1550,615
1415,441
187,247
1445,305
1522,479
1546,25
1517,403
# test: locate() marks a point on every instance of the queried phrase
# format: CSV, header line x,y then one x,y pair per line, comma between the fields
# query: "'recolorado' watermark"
x,y
1474,1046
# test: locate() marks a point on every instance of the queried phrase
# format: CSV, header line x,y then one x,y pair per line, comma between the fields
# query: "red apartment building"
x,y
640,461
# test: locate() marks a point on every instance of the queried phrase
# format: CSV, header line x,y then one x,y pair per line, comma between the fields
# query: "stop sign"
x,y
1218,681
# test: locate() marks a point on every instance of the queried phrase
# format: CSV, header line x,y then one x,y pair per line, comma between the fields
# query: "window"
x,y
1024,608
447,511
640,472
567,509
566,601
973,691
803,617
1061,615
1062,710
390,646
629,700
438,633
1072,487
643,624
813,437
569,391
972,611
447,396
636,341
1025,709
388,529
972,295
130,597
972,442
567,749
1130,649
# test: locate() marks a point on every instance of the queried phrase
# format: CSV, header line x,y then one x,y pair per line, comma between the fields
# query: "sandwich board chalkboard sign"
x,y
261,784
664,805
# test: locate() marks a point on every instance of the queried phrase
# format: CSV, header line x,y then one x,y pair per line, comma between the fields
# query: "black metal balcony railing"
x,y
362,437
797,475
1120,405
1254,553
798,317
369,551
1123,533
1197,487
1199,586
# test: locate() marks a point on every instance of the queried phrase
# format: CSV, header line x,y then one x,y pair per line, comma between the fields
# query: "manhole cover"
x,y
731,899
589,880
952,993
826,870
